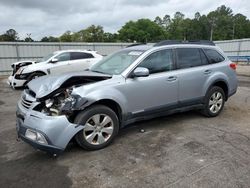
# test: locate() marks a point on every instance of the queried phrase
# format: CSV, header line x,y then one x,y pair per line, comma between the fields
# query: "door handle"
x,y
207,72
171,78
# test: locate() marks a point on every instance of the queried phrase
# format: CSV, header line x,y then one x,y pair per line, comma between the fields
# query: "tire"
x,y
214,102
34,76
101,127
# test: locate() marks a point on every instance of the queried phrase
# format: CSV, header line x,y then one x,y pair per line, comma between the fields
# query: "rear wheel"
x,y
214,102
101,127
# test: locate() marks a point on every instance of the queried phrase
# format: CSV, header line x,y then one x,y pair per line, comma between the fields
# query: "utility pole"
x,y
211,33
233,30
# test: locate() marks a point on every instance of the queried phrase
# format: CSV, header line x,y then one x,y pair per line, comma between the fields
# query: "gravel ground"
x,y
181,150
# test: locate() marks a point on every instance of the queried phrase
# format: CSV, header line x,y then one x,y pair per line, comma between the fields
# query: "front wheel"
x,y
214,102
101,127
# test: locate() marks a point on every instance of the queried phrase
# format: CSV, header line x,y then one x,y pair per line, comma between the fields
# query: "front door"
x,y
156,92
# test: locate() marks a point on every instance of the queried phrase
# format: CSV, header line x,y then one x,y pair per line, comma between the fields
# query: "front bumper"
x,y
57,130
13,82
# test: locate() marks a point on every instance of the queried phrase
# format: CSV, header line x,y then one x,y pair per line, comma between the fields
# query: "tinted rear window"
x,y
213,56
80,55
189,57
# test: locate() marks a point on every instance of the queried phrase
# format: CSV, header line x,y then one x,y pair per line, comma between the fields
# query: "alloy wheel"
x,y
215,102
98,129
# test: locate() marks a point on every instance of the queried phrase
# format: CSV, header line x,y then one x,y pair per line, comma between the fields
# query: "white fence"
x,y
15,51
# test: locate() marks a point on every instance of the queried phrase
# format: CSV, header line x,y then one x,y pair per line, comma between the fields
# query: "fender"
x,y
216,77
104,94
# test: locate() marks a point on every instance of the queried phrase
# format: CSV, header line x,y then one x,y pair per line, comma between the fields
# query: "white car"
x,y
56,63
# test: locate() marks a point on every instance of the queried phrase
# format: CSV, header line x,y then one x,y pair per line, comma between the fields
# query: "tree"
x,y
221,23
49,39
176,28
91,34
110,37
241,27
66,37
28,39
9,35
142,30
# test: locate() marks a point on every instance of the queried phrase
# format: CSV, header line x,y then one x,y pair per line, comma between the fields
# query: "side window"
x,y
189,57
204,59
158,61
80,55
213,56
63,57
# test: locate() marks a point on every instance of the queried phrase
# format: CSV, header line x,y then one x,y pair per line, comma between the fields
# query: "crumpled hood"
x,y
44,85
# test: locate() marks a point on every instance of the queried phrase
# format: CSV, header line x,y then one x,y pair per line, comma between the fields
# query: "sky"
x,y
54,17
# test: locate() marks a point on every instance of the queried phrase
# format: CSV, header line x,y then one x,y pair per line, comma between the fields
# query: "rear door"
x,y
80,61
61,66
193,71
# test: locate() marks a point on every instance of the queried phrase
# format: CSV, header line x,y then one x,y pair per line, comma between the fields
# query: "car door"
x,y
62,64
193,71
156,92
80,61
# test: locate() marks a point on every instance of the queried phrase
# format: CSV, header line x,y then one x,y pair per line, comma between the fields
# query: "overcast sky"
x,y
54,17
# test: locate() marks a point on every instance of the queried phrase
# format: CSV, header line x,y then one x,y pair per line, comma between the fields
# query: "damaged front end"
x,y
62,103
45,114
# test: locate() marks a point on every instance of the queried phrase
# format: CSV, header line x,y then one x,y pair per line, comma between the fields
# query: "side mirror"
x,y
54,60
141,72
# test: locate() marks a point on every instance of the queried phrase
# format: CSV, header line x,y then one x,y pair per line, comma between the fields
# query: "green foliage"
x,y
50,39
142,30
9,35
220,24
66,37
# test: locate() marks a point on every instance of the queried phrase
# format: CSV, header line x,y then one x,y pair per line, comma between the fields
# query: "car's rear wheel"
x,y
214,102
101,127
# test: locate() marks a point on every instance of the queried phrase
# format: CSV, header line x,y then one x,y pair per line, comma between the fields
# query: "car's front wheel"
x,y
214,102
101,127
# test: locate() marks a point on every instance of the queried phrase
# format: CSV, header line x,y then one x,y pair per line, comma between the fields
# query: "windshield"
x,y
117,62
46,58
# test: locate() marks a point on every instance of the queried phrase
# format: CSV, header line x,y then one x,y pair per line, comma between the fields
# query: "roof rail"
x,y
172,42
135,44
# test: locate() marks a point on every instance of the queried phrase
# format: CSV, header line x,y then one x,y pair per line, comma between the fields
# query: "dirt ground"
x,y
181,150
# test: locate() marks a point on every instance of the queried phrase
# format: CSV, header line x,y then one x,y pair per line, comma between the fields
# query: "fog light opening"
x,y
35,136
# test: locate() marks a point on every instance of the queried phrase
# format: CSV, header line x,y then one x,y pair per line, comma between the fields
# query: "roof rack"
x,y
172,42
135,44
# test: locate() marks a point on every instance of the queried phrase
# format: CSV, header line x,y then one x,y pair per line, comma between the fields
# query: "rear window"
x,y
213,56
80,55
189,57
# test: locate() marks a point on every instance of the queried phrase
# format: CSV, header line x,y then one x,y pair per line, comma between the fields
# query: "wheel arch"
x,y
112,105
222,84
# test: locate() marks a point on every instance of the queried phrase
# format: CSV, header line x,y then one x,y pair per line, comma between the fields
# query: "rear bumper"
x,y
232,92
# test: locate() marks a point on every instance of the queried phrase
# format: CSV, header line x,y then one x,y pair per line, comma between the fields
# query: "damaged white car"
x,y
55,63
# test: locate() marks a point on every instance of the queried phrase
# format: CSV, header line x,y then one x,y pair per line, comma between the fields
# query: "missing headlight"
x,y
61,103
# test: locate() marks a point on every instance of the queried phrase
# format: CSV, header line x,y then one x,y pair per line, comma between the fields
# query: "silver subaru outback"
x,y
135,83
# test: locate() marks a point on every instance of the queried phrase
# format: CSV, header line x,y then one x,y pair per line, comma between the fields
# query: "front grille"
x,y
26,103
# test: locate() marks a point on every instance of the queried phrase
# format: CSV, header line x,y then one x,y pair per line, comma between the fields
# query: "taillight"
x,y
233,66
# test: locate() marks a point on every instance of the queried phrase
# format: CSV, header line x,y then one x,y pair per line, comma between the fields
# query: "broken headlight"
x,y
61,103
